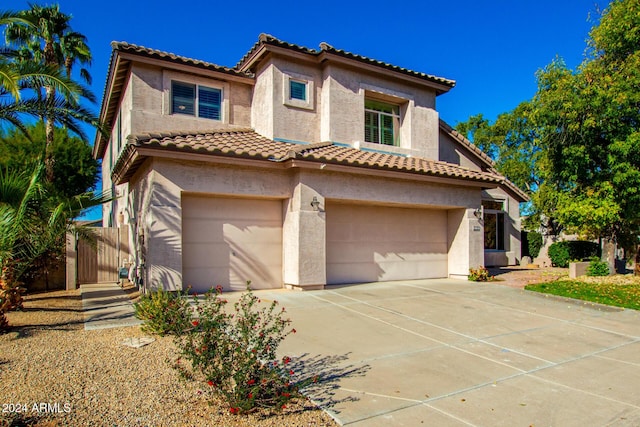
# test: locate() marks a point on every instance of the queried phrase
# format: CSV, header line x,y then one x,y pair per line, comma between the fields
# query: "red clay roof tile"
x,y
267,39
246,143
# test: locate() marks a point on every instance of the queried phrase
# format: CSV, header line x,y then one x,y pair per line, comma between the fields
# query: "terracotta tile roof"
x,y
267,39
172,57
245,143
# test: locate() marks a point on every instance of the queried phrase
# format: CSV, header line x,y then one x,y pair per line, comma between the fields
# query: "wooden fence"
x,y
97,262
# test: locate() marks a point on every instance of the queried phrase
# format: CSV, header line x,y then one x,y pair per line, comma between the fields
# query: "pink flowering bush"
x,y
235,351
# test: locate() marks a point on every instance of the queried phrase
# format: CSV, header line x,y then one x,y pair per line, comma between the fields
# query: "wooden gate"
x,y
99,262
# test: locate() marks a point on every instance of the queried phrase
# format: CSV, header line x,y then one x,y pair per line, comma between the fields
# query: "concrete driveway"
x,y
456,353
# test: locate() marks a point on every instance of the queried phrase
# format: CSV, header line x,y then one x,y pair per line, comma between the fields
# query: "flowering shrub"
x,y
236,352
164,312
479,274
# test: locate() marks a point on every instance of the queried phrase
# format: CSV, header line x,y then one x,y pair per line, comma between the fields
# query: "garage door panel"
x,y
375,243
205,255
353,273
339,232
201,230
240,234
229,241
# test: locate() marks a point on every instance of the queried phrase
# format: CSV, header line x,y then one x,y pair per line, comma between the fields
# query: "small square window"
x,y
297,90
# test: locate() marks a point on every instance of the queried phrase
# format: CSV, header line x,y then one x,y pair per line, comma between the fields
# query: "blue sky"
x,y
491,48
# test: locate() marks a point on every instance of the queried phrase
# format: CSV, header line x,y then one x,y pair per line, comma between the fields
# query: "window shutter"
x,y
182,98
297,90
209,103
370,127
387,130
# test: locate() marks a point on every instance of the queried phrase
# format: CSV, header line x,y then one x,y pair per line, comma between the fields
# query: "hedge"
x,y
534,242
561,253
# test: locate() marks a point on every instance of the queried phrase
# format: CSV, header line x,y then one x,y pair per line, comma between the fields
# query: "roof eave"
x,y
134,155
440,88
99,144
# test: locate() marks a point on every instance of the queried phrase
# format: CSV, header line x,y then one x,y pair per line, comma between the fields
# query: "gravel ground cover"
x,y
55,373
519,277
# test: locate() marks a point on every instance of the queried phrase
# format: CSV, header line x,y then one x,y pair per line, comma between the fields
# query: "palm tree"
x,y
74,49
31,225
48,39
18,77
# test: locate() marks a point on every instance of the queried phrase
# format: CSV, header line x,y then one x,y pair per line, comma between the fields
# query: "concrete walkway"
x,y
456,353
105,306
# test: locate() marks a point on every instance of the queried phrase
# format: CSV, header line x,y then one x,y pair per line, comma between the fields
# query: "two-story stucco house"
x,y
297,168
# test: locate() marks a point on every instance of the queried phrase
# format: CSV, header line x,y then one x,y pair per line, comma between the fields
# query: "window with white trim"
x,y
298,91
196,100
494,216
381,122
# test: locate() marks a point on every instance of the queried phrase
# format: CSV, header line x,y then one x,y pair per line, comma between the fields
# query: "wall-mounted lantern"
x,y
478,212
315,204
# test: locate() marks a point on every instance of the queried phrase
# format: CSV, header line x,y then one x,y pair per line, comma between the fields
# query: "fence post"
x,y
72,265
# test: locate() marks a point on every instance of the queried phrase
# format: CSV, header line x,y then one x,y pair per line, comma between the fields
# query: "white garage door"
x,y
375,243
228,241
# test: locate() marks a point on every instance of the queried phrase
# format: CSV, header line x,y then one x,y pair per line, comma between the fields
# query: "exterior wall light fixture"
x,y
315,204
478,212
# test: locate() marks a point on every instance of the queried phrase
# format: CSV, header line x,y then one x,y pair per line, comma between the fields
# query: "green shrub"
x,y
235,352
598,268
164,312
561,253
479,274
534,240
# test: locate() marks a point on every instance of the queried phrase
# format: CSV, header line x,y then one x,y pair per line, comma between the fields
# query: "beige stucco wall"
x,y
466,242
343,95
336,108
121,127
451,151
151,107
145,107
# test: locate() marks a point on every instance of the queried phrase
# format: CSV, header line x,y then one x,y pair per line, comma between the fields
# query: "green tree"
x,y
589,122
32,228
51,42
75,169
576,145
512,142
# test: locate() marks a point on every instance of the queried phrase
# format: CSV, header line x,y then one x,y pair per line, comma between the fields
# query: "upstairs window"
x,y
381,123
493,224
297,90
196,100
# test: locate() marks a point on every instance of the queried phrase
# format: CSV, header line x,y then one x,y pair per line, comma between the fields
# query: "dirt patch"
x,y
519,277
